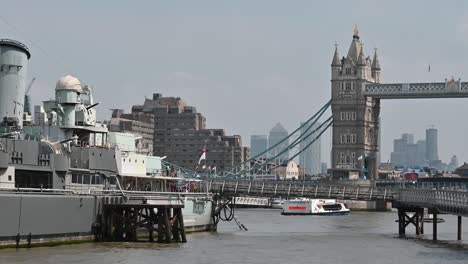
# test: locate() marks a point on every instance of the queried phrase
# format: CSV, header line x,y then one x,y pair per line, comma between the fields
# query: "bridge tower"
x,y
355,116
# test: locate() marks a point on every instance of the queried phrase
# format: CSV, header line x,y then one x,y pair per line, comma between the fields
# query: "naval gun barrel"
x,y
91,106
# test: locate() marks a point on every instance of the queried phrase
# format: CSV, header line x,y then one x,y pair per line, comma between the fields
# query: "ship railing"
x,y
146,194
38,191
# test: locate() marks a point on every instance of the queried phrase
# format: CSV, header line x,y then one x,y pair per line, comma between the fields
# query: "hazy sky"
x,y
248,64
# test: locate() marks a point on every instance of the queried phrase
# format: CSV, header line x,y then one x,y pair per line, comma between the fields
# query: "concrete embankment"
x,y
377,206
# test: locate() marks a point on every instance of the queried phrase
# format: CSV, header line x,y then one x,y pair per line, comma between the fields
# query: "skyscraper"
x,y
278,133
407,153
258,144
310,158
431,145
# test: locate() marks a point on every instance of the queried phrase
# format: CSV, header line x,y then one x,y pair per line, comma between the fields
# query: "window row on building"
x,y
347,88
348,158
348,138
346,116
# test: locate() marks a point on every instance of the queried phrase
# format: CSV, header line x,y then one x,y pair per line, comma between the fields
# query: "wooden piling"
x,y
151,224
167,225
122,222
417,216
401,222
160,225
422,221
181,225
459,229
434,227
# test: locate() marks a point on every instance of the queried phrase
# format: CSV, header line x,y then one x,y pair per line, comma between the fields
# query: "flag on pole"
x,y
214,169
203,156
360,157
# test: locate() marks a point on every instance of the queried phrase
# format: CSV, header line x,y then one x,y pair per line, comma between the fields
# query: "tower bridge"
x,y
356,91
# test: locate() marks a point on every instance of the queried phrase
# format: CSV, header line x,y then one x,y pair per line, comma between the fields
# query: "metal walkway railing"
x,y
300,189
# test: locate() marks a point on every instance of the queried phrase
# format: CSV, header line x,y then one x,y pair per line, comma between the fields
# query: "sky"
x,y
248,64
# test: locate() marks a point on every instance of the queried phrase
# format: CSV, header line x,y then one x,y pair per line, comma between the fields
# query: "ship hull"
x,y
46,218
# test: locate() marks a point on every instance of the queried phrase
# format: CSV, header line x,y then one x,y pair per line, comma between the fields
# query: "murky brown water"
x,y
358,238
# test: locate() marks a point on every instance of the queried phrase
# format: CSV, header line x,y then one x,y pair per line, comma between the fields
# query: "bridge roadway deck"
x,y
291,189
442,201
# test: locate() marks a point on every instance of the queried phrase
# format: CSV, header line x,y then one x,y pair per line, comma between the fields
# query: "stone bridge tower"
x,y
355,116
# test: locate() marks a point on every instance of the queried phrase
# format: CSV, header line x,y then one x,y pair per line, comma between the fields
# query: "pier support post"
x,y
418,220
459,231
160,225
422,220
181,226
434,227
401,222
151,224
167,225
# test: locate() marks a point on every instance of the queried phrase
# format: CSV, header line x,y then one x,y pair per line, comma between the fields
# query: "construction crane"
x,y
30,85
27,99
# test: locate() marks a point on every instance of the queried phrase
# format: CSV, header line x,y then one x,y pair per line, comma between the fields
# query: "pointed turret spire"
x,y
356,32
361,59
336,57
355,47
375,61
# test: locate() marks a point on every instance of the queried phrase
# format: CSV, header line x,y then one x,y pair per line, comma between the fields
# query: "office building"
x,y
278,133
180,134
258,144
310,157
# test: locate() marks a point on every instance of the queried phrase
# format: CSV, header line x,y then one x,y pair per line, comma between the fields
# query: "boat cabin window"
x,y
29,179
332,207
86,179
112,180
96,179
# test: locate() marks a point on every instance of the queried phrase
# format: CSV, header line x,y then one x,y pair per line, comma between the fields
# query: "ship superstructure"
x,y
66,158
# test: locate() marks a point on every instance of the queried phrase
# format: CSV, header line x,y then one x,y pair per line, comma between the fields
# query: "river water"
x,y
361,237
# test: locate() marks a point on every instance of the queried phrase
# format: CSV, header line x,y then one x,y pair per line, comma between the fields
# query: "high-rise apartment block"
x,y
431,145
406,153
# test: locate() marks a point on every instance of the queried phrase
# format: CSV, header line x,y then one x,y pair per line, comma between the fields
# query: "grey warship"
x,y
58,168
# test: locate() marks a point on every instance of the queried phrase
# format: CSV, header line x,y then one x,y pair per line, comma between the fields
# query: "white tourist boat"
x,y
314,207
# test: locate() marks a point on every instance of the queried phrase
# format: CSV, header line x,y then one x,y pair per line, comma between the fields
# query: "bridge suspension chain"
x,y
308,123
258,164
299,132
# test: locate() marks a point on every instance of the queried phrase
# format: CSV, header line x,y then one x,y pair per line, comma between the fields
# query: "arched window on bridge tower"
x,y
369,115
370,136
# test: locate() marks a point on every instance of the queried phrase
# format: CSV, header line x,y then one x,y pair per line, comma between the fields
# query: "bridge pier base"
x,y
416,219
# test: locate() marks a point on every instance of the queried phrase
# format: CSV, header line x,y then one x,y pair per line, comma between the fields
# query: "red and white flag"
x,y
203,156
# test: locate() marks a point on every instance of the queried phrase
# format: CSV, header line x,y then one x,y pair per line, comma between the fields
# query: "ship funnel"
x,y
14,58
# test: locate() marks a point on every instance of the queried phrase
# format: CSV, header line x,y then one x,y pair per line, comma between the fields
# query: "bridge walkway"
x,y
291,189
